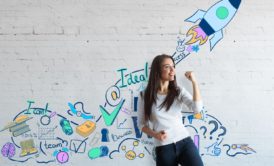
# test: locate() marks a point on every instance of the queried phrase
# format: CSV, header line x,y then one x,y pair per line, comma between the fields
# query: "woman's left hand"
x,y
190,76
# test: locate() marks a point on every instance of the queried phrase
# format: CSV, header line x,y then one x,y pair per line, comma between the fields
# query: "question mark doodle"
x,y
215,127
203,127
223,133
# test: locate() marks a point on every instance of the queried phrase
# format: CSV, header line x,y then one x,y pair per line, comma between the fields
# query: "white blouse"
x,y
170,121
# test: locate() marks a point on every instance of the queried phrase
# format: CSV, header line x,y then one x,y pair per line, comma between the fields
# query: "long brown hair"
x,y
153,86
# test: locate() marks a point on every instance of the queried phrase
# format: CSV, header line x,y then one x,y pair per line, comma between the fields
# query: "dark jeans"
x,y
183,152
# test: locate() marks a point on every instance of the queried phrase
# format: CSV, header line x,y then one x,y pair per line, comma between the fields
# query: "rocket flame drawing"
x,y
197,35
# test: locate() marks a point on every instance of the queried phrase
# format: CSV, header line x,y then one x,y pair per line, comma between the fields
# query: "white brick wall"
x,y
60,51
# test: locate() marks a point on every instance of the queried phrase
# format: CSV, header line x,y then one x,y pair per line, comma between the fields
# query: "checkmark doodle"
x,y
109,118
76,148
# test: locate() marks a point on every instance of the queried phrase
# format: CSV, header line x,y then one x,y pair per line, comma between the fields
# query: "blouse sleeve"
x,y
187,99
141,113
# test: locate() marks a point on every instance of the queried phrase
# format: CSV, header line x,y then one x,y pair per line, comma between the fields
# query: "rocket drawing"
x,y
212,22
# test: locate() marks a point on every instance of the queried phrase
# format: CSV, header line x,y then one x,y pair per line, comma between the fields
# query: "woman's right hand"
x,y
161,136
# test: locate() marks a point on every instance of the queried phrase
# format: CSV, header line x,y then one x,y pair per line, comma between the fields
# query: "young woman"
x,y
160,114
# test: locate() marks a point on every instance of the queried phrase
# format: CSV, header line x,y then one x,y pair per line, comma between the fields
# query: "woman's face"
x,y
167,70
